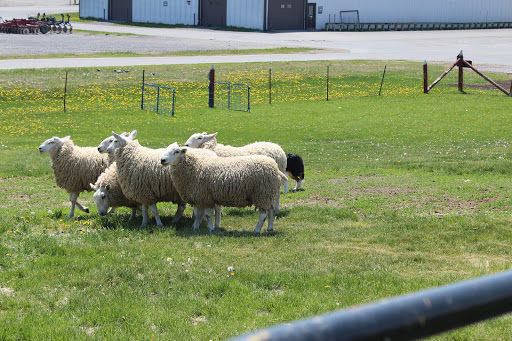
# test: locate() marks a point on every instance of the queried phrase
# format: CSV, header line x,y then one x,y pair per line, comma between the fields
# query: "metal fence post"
x,y
157,98
142,99
327,90
382,82
270,86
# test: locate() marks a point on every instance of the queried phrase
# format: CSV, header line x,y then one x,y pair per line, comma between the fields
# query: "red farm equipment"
x,y
36,25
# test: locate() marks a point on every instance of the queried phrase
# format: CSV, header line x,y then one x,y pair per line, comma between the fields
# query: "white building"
x,y
267,15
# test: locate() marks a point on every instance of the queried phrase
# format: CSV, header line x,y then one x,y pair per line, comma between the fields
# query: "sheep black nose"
x,y
162,161
99,149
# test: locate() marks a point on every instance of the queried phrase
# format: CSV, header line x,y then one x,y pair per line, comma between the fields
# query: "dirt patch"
x,y
6,291
199,319
318,200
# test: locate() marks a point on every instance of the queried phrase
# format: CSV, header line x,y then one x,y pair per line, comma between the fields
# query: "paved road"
x,y
490,50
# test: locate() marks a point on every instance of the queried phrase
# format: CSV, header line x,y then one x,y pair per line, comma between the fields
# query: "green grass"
x,y
280,50
403,192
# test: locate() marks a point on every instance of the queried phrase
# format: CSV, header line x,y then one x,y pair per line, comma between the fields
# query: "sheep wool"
x,y
142,177
115,195
269,149
75,168
233,181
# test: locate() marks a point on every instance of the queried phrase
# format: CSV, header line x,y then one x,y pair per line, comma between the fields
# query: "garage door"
x,y
213,13
286,15
120,10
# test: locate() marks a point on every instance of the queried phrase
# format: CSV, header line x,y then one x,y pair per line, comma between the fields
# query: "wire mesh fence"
x,y
92,89
160,99
232,96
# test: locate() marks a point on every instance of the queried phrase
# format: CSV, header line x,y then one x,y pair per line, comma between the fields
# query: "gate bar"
x,y
406,317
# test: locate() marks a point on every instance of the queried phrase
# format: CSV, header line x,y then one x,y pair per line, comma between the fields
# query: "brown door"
x,y
213,13
286,14
120,10
311,16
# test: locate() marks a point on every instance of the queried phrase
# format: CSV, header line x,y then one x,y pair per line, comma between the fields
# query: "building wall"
x,y
396,11
246,13
94,9
166,11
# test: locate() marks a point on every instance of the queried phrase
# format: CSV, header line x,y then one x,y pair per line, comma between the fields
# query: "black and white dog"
x,y
295,169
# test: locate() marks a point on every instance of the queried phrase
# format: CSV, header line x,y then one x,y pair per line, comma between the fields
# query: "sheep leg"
x,y
145,216
134,213
73,198
276,202
209,214
263,216
199,214
218,211
271,218
285,184
179,213
155,213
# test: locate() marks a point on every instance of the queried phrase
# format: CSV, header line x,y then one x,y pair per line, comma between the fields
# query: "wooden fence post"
x,y
425,77
460,64
211,88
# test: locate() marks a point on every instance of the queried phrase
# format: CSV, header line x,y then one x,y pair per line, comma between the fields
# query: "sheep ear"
x,y
65,138
116,136
133,134
94,188
209,137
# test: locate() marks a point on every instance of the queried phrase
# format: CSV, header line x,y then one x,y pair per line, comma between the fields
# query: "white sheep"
x,y
228,181
108,193
142,177
102,148
107,141
74,167
217,210
270,149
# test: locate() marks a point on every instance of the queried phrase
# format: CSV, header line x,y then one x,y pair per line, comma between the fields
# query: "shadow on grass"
x,y
183,228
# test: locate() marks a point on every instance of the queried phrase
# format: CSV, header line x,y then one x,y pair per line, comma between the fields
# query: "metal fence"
x,y
407,317
160,99
232,96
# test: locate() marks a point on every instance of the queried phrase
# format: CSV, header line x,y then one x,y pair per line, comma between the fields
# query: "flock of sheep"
x,y
202,173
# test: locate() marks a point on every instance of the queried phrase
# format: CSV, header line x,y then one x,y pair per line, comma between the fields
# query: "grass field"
x,y
403,192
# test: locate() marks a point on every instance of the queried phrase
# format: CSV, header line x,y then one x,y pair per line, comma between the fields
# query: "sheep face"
x,y
100,197
102,147
120,141
166,155
197,140
52,144
173,154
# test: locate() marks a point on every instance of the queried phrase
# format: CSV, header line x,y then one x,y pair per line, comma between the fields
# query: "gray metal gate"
x,y
160,99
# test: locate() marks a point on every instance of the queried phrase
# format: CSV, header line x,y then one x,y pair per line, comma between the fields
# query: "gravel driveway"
x,y
83,43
